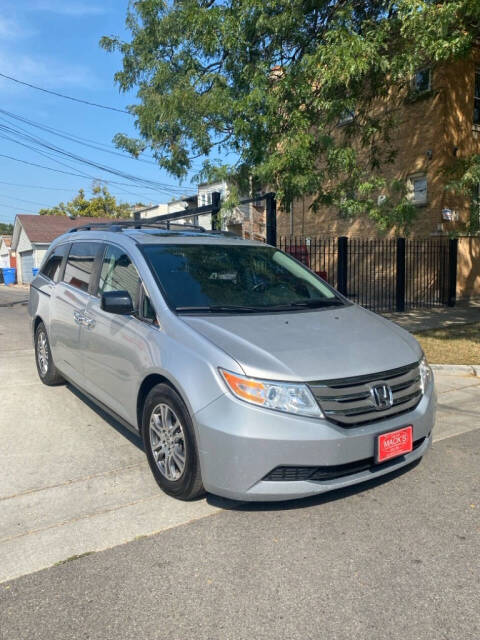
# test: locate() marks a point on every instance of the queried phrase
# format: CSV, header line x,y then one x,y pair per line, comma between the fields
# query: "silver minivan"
x,y
245,374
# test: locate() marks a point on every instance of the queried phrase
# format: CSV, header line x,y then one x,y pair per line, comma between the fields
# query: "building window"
x,y
417,189
422,80
476,99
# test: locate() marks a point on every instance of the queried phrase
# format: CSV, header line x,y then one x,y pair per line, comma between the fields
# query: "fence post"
x,y
452,271
342,264
271,231
216,222
400,276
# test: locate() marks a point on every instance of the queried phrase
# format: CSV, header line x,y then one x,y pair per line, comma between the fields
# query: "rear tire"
x,y
47,371
170,444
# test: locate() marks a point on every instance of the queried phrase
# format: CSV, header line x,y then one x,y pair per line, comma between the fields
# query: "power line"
x,y
35,186
149,184
40,204
9,206
62,95
78,175
34,164
92,144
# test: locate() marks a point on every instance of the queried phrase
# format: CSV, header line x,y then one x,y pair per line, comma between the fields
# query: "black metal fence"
x,y
383,275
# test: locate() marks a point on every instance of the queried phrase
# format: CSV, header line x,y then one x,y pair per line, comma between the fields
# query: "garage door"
x,y
26,258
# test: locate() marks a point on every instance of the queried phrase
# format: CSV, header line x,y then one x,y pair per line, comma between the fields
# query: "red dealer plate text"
x,y
395,443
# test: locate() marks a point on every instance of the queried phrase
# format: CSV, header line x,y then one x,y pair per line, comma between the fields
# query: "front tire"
x,y
47,371
170,444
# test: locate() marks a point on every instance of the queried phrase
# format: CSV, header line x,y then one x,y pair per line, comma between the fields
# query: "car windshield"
x,y
240,278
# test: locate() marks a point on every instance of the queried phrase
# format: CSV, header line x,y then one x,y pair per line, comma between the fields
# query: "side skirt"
x,y
102,406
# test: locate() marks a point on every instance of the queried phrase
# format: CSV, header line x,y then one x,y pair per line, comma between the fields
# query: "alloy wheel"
x,y
42,352
167,440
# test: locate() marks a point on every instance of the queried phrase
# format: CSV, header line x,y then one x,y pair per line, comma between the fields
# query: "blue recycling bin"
x,y
9,274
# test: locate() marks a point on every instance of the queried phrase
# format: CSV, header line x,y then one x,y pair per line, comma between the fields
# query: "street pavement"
x,y
395,558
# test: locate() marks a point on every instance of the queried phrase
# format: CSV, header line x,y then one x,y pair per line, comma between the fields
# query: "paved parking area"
x,y
71,479
396,558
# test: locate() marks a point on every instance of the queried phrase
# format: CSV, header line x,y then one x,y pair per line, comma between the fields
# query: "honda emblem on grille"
x,y
382,396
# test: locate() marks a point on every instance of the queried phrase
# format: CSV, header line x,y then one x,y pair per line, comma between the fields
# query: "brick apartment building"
x,y
438,122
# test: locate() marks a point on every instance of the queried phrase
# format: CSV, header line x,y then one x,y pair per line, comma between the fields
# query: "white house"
x,y
247,220
5,251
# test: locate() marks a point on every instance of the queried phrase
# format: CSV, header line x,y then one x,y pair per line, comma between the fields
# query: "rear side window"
x,y
119,274
52,266
79,267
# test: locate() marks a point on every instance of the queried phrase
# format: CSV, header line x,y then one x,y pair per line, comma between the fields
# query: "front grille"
x,y
349,402
331,472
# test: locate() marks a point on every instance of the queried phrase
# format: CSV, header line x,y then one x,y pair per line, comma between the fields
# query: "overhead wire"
x,y
62,95
39,142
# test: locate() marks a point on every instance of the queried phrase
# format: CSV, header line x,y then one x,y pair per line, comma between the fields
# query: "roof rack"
x,y
119,225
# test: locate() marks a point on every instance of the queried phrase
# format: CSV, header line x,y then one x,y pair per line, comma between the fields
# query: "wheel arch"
x,y
36,322
147,385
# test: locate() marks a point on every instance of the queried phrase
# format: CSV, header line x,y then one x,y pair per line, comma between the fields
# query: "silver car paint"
x,y
238,443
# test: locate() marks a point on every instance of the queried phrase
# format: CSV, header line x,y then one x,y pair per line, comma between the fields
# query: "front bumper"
x,y
240,444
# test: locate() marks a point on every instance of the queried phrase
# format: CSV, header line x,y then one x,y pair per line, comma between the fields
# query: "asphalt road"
x,y
398,558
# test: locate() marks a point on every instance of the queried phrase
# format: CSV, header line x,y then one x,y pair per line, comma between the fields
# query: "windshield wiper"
x,y
311,304
228,308
221,308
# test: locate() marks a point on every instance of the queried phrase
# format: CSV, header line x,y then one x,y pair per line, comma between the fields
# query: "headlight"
x,y
425,374
280,396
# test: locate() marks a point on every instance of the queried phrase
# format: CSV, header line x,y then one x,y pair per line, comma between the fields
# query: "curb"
x,y
457,369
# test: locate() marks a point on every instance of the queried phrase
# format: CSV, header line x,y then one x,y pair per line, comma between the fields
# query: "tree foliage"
x,y
6,229
102,204
269,80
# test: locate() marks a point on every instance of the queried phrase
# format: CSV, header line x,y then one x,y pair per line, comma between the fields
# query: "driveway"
x,y
395,558
71,479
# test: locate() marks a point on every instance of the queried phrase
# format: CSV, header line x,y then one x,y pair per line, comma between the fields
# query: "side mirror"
x,y
118,302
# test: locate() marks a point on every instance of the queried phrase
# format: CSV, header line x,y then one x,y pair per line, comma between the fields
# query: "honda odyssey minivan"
x,y
245,374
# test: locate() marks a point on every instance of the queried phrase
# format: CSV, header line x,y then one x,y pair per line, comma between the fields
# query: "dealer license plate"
x,y
395,443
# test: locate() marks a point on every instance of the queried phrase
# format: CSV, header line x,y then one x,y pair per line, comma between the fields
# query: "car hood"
x,y
313,345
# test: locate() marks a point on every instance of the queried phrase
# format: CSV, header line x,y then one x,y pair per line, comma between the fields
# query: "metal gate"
x,y
395,274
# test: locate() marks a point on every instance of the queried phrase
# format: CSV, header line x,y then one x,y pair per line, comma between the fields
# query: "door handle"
x,y
78,317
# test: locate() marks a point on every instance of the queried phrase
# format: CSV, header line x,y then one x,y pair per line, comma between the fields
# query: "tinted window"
x,y
247,277
119,274
79,267
52,266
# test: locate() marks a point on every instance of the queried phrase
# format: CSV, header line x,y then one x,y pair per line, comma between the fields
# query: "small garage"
x,y
32,235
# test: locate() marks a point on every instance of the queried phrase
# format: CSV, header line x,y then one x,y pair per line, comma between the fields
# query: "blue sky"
x,y
54,44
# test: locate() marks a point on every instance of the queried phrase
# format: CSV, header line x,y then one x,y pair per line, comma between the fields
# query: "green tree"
x,y
102,204
269,80
6,229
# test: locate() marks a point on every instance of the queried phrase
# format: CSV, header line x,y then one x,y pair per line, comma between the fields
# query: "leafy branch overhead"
x,y
268,81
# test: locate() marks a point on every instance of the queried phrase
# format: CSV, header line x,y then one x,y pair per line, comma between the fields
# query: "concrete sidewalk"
x,y
437,317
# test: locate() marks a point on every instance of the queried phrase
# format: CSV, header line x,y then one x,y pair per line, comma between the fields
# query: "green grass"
x,y
458,344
